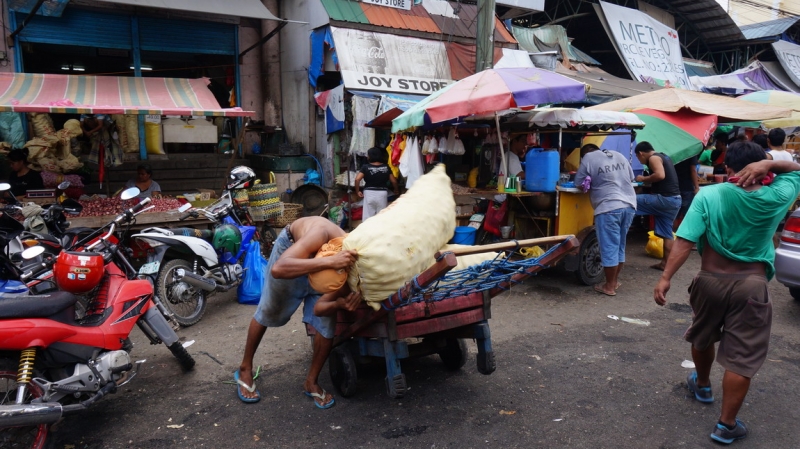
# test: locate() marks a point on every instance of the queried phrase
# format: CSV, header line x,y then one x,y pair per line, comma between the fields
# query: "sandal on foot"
x,y
250,389
657,267
702,394
599,289
321,397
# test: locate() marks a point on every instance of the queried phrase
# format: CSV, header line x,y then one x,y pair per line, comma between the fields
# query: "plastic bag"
x,y
655,246
249,291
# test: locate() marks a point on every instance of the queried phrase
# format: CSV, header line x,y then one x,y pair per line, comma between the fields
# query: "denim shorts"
x,y
664,209
612,229
280,298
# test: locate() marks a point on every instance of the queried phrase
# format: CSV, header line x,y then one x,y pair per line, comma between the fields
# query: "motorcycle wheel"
x,y
33,437
183,356
187,303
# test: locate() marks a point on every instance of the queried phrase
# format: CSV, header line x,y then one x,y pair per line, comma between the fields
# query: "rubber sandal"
x,y
316,396
599,289
250,389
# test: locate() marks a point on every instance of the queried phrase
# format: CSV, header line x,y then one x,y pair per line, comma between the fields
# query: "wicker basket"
x,y
291,212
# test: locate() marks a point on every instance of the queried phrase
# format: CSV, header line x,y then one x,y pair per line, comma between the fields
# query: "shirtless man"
x,y
732,225
285,288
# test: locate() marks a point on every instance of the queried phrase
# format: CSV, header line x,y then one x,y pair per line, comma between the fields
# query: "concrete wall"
x,y
271,67
251,79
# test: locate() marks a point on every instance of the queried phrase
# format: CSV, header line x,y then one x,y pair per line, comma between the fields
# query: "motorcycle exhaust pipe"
x,y
195,280
18,415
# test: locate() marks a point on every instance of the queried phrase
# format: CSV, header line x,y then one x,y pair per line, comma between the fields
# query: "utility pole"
x,y
484,38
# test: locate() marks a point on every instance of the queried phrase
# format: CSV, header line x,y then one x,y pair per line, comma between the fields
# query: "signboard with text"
x,y
399,4
388,63
650,49
789,56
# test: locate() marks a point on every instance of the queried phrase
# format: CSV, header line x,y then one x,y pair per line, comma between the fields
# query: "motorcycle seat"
x,y
36,306
205,234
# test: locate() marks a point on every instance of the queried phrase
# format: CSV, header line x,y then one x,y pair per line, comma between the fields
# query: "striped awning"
x,y
87,94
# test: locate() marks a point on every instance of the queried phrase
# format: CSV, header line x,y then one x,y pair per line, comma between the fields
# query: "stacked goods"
x,y
96,207
400,242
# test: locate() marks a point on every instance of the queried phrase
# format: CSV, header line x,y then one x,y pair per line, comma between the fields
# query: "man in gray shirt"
x,y
614,203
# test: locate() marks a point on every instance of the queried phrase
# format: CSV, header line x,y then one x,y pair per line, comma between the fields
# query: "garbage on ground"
x,y
687,364
630,320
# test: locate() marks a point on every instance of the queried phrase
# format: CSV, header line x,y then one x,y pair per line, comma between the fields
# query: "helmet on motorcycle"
x,y
241,177
227,238
78,272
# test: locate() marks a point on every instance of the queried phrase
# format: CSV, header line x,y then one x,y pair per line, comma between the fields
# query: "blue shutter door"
x,y
185,36
79,27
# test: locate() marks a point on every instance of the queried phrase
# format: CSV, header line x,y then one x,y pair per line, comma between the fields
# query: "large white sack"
x,y
401,240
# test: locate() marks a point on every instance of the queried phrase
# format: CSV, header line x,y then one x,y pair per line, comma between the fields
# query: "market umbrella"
x,y
673,100
680,135
781,99
490,91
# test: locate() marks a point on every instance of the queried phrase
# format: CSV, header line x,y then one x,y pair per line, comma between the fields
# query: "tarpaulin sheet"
x,y
86,94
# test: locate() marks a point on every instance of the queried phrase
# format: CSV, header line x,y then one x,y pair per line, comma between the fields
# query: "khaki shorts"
x,y
734,310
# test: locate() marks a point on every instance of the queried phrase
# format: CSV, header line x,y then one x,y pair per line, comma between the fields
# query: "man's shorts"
x,y
280,298
664,209
612,229
734,310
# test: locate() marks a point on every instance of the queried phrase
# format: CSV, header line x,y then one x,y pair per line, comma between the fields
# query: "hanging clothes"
x,y
363,137
413,162
389,151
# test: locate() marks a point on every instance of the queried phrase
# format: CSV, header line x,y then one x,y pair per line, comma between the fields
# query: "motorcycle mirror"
x,y
5,186
129,193
185,207
32,252
64,185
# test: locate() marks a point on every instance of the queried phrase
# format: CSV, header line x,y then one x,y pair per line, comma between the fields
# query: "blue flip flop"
x,y
322,397
250,388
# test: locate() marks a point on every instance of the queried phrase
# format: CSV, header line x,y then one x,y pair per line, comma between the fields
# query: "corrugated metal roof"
x,y
416,19
709,19
345,11
770,28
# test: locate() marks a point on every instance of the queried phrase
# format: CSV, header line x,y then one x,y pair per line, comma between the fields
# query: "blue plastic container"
x,y
541,170
464,235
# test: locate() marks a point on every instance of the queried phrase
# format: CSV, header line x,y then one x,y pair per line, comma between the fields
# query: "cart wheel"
x,y
342,368
454,354
590,268
396,387
486,363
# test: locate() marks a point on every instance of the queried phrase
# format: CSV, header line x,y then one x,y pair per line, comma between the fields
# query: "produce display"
x,y
401,240
96,206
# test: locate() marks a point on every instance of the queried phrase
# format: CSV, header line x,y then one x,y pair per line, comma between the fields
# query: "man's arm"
x,y
677,257
695,179
393,180
657,173
583,172
756,171
357,186
298,260
329,303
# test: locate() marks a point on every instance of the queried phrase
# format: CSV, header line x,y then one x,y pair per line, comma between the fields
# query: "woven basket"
x,y
264,200
291,212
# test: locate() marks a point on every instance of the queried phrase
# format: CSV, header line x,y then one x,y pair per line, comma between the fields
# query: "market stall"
x,y
116,107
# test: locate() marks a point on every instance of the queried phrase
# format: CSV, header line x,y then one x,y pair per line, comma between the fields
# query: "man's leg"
x,y
734,389
667,249
254,335
702,363
611,278
322,349
616,275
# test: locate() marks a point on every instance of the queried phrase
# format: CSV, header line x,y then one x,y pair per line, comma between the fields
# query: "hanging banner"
x,y
388,63
650,49
789,56
399,4
332,102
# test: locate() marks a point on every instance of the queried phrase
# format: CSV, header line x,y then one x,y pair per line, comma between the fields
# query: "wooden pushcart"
x,y
439,310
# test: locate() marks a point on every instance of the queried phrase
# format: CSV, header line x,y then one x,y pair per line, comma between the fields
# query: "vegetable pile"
x,y
97,207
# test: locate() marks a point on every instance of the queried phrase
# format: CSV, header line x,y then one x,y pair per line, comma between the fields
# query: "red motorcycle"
x,y
53,363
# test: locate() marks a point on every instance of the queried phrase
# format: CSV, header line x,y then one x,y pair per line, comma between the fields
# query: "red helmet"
x,y
78,272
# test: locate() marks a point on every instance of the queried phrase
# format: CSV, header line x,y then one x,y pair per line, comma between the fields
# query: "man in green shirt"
x,y
732,225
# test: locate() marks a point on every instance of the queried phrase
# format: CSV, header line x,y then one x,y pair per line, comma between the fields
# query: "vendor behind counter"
x,y
22,178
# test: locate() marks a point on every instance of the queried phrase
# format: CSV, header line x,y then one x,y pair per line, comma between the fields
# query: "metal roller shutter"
x,y
184,36
79,27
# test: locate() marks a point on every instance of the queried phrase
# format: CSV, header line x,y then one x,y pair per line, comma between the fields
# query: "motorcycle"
x,y
54,364
189,265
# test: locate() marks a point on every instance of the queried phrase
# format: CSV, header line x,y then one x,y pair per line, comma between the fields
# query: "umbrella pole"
x,y
503,167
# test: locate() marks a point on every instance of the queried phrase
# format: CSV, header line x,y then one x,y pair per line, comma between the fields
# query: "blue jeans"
x,y
280,298
664,209
612,228
687,196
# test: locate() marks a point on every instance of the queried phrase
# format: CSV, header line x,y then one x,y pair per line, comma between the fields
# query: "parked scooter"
x,y
52,364
191,264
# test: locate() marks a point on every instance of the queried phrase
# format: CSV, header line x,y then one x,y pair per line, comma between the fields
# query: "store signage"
x,y
387,63
650,49
399,4
392,83
789,56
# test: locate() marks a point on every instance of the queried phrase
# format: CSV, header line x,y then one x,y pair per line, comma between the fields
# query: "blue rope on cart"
x,y
486,275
